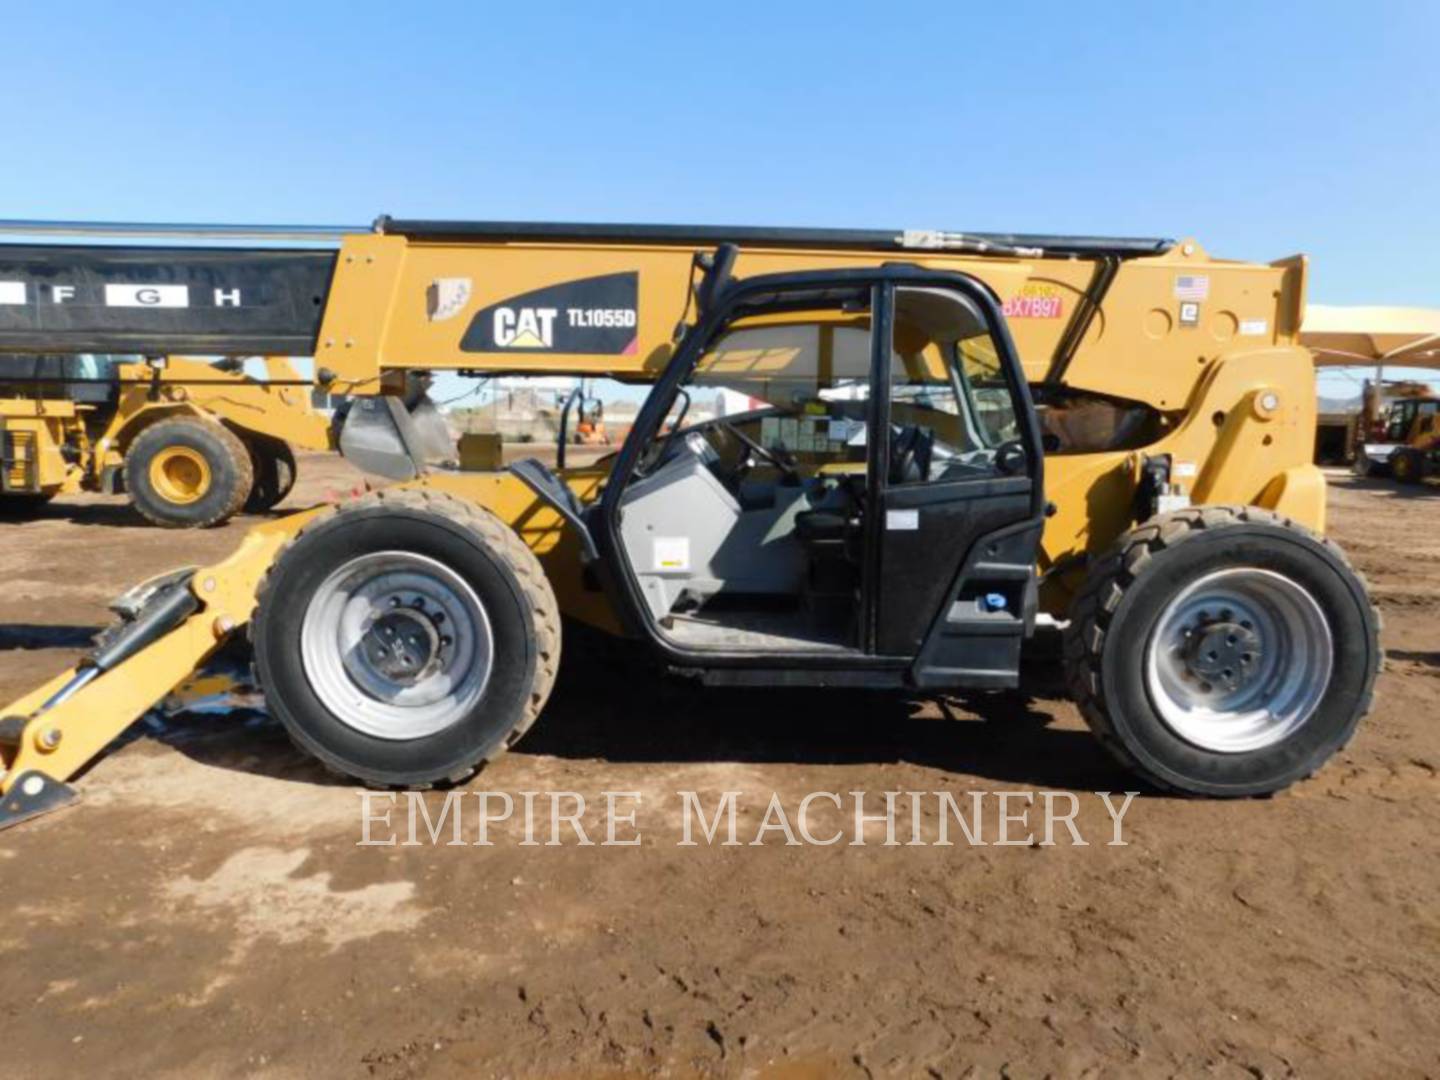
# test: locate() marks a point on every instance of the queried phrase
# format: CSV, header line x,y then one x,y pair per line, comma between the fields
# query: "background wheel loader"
x,y
1417,458
190,442
1397,431
947,437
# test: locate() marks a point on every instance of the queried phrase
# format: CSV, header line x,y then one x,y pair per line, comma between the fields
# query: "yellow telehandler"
x,y
867,458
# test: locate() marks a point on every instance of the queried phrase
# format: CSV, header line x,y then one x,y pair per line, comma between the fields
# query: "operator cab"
x,y
1400,423
84,378
755,518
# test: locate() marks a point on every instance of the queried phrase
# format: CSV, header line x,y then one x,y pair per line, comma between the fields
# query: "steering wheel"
x,y
786,467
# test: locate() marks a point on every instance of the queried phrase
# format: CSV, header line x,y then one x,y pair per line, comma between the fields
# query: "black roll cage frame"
x,y
725,298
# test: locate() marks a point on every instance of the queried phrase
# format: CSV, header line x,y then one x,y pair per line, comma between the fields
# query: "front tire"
x,y
1222,651
406,638
188,472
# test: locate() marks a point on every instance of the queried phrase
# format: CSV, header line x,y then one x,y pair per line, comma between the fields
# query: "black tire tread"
x,y
266,454
1111,576
501,539
1408,466
238,453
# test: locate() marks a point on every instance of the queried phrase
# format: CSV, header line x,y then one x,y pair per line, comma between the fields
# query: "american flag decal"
x,y
1192,287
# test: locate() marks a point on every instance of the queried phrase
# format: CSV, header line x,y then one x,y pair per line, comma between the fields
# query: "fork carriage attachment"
x,y
170,626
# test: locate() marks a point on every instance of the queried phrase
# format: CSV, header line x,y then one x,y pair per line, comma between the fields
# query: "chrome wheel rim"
x,y
396,645
1239,660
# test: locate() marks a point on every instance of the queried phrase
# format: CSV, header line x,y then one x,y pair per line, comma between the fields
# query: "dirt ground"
x,y
207,910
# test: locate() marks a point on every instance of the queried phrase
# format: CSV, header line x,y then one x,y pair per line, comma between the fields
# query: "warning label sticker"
x,y
446,297
672,553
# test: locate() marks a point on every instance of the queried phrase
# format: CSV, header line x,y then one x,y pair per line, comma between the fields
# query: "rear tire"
x,y
1222,651
275,472
406,638
188,472
1407,466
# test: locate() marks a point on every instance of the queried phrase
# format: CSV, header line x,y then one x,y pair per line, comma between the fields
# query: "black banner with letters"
x,y
155,300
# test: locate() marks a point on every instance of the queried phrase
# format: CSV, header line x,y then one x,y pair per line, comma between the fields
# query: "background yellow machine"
x,y
1392,431
944,438
1395,430
191,442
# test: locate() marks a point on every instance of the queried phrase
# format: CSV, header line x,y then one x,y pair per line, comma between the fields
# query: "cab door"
x,y
958,497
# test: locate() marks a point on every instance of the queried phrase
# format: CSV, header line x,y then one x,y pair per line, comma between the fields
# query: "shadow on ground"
x,y
117,515
1380,485
1415,656
46,636
612,709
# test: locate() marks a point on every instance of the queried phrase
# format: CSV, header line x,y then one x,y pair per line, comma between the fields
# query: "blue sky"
x,y
1260,129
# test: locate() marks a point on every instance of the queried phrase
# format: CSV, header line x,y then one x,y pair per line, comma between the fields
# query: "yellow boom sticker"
x,y
1035,301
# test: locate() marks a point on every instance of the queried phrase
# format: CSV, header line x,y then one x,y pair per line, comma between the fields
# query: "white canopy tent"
x,y
1372,336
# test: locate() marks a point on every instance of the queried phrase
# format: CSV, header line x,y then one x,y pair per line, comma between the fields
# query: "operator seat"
x,y
831,536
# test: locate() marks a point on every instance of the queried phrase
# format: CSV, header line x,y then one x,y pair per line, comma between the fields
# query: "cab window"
x,y
951,407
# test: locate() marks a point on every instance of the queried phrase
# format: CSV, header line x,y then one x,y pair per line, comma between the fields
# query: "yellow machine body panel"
x,y
542,529
32,433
